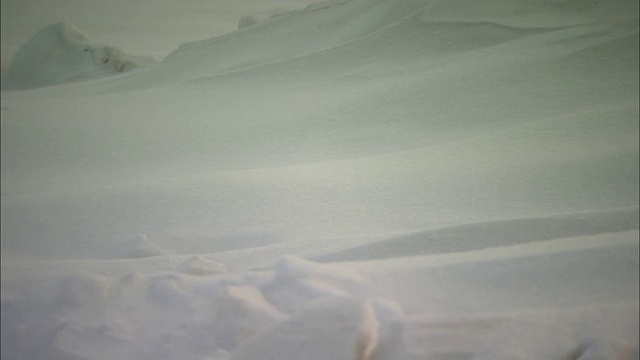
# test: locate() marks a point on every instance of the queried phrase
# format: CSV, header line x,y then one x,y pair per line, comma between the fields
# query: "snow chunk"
x,y
60,53
199,266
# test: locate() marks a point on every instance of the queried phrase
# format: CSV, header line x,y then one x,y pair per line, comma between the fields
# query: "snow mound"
x,y
299,310
60,53
199,266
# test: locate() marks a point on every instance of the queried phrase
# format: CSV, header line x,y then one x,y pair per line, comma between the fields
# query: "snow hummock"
x,y
61,53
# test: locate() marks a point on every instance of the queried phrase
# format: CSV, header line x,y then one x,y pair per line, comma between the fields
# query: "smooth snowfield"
x,y
358,180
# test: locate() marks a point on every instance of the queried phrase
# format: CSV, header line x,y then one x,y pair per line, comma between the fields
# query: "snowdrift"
x,y
573,302
299,310
466,172
61,53
375,30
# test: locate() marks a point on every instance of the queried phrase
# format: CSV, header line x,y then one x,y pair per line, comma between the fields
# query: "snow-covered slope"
x,y
462,174
149,30
378,30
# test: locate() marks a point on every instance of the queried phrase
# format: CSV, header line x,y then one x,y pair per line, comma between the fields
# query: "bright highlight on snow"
x,y
348,180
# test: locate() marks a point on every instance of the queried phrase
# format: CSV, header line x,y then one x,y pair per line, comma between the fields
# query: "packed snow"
x,y
350,179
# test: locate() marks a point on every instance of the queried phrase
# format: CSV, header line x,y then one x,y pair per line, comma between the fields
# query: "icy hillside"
x,y
363,179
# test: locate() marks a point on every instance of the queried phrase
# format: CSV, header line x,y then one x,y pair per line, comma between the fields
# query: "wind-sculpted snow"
x,y
466,170
61,53
298,310
429,26
317,28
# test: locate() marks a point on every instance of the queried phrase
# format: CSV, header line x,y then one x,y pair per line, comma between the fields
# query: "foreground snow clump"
x,y
300,309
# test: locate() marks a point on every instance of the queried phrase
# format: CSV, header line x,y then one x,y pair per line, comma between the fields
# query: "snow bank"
x,y
59,53
299,310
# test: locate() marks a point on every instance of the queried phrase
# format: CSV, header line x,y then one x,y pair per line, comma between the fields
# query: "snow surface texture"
x,y
357,180
60,53
293,312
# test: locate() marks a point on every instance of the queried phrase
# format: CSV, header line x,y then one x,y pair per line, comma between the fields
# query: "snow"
x,y
363,179
197,265
60,53
158,29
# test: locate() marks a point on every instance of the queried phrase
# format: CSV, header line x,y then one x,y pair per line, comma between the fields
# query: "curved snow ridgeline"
x,y
60,53
353,29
